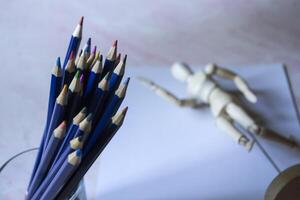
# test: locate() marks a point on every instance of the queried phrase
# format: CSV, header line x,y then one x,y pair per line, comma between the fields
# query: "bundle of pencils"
x,y
82,117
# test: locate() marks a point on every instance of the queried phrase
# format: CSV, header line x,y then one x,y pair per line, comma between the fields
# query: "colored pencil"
x,y
105,138
117,75
93,79
70,69
95,103
62,175
110,59
81,116
55,83
47,158
91,58
74,41
58,113
109,111
75,143
71,132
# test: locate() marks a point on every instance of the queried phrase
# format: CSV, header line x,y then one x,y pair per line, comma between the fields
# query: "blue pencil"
x,y
58,113
87,48
75,105
74,41
98,97
74,144
91,58
93,78
71,132
70,186
77,57
118,59
47,158
62,175
70,69
109,111
84,128
117,75
81,64
110,59
55,83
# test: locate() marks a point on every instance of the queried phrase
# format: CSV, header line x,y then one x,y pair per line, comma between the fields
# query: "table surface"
x,y
152,33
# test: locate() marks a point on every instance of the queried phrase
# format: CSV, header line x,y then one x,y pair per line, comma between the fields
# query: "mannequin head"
x,y
181,71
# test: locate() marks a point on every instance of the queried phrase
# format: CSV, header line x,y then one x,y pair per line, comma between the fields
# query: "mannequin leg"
x,y
239,115
225,123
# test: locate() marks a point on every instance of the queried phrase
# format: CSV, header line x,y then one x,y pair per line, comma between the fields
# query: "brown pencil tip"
x,y
81,20
115,44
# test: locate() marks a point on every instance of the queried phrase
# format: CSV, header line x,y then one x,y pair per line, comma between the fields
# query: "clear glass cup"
x,y
15,176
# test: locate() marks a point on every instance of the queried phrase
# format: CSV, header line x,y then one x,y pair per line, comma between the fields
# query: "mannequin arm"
x,y
191,102
240,83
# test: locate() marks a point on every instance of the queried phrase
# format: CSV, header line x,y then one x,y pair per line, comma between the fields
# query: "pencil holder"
x,y
15,174
80,193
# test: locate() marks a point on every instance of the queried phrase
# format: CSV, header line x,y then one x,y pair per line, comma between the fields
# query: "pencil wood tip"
x,y
124,111
84,110
115,44
65,89
89,117
81,20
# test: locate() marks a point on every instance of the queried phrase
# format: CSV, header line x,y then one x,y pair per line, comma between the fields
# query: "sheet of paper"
x,y
166,152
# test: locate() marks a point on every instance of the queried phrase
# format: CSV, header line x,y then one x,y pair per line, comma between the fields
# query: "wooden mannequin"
x,y
227,112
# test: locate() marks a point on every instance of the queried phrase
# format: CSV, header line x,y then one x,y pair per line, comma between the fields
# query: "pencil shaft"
x,y
56,119
44,165
69,136
59,179
77,176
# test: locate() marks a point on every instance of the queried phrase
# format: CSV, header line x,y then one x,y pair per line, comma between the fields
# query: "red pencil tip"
x,y
81,21
63,124
115,44
72,55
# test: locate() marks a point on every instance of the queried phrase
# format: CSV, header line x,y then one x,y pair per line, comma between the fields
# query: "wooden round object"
x,y
286,186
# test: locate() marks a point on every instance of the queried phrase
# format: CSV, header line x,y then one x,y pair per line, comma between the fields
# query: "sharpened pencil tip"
x,y
101,57
72,55
89,42
115,44
119,56
125,59
89,117
58,62
81,78
124,111
63,124
94,50
127,81
77,74
84,110
81,20
78,152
